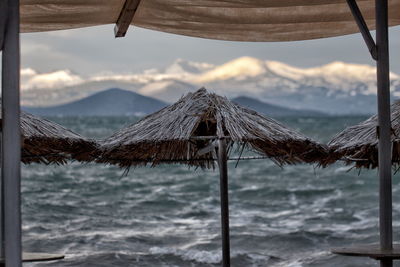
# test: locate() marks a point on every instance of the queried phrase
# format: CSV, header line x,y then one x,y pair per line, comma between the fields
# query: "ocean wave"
x,y
190,255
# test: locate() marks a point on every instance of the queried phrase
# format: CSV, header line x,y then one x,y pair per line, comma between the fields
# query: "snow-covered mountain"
x,y
169,90
337,88
181,66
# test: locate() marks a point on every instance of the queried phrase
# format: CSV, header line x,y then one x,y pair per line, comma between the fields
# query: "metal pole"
x,y
385,145
11,146
223,180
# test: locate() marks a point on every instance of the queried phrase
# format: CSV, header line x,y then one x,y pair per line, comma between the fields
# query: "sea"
x,y
169,215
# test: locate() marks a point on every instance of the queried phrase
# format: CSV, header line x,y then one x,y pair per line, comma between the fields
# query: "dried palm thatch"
x,y
47,142
358,144
178,133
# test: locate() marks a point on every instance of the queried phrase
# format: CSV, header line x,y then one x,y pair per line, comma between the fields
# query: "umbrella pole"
x,y
384,122
223,180
2,241
11,138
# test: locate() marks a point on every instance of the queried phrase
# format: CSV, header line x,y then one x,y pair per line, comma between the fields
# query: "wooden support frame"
x,y
3,18
11,138
208,148
125,17
384,122
223,180
385,251
358,17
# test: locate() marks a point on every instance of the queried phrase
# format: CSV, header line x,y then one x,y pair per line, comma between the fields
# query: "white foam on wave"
x,y
190,254
299,260
207,257
342,169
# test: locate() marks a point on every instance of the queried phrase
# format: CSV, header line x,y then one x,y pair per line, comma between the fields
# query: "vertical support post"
x,y
385,145
223,179
2,241
3,16
3,19
11,137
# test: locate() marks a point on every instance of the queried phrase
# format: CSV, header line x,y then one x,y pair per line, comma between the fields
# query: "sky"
x,y
94,50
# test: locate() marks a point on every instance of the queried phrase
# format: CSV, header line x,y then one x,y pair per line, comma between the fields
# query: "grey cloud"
x,y
93,50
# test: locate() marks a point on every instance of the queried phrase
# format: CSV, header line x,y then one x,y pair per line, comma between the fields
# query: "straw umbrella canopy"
x,y
47,142
358,144
180,132
44,141
201,128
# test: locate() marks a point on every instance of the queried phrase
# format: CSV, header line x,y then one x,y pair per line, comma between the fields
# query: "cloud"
x,y
31,80
28,73
94,49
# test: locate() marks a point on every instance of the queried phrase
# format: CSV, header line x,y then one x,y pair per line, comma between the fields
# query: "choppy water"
x,y
170,215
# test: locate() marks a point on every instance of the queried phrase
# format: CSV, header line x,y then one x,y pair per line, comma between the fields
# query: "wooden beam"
x,y
384,122
11,138
211,147
125,17
223,180
355,10
3,18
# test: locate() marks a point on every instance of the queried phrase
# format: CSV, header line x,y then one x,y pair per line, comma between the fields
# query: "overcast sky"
x,y
93,50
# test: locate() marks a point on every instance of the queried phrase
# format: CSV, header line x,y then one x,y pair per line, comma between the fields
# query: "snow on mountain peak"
x,y
337,75
285,70
237,68
268,80
341,69
154,88
338,69
181,66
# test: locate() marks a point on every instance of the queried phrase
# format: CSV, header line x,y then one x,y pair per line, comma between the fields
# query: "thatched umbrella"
x,y
44,141
47,142
358,144
178,132
200,124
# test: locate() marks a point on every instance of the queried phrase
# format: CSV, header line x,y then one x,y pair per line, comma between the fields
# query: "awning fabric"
x,y
236,20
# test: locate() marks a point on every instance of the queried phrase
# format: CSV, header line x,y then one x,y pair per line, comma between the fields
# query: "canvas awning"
x,y
236,20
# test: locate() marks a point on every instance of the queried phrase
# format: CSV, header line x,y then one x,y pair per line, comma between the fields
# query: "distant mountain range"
x,y
111,102
273,110
117,102
335,88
